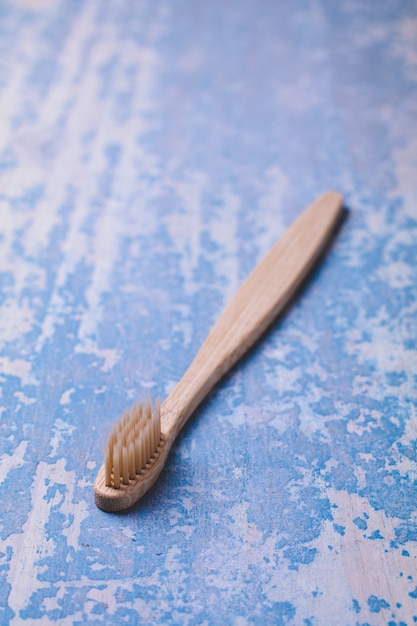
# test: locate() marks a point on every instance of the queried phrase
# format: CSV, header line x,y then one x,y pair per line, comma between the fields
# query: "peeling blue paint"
x,y
375,535
376,604
360,523
150,153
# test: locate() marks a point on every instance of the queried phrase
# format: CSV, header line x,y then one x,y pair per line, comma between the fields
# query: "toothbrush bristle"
x,y
132,443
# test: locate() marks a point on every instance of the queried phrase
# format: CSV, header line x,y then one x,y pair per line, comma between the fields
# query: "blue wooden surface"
x,y
150,153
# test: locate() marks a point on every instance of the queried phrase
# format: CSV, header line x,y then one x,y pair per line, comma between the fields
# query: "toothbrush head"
x,y
132,457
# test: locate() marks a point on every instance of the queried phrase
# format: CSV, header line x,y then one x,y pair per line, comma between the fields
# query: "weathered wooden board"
x,y
150,153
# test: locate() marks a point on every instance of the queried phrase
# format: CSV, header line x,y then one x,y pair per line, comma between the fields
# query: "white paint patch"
x,y
66,396
109,357
16,320
15,367
397,275
345,559
74,508
24,399
60,430
32,546
9,462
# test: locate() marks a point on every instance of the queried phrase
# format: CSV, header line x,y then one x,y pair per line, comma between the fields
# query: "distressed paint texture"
x,y
150,153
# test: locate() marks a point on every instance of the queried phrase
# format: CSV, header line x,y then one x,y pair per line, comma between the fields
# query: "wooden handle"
x,y
259,300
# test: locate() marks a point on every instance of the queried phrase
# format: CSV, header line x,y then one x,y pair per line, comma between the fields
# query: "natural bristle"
x,y
132,442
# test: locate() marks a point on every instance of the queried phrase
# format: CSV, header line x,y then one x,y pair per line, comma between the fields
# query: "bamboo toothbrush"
x,y
139,443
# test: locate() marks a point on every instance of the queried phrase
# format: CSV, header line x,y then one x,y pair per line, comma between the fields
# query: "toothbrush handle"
x,y
262,296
